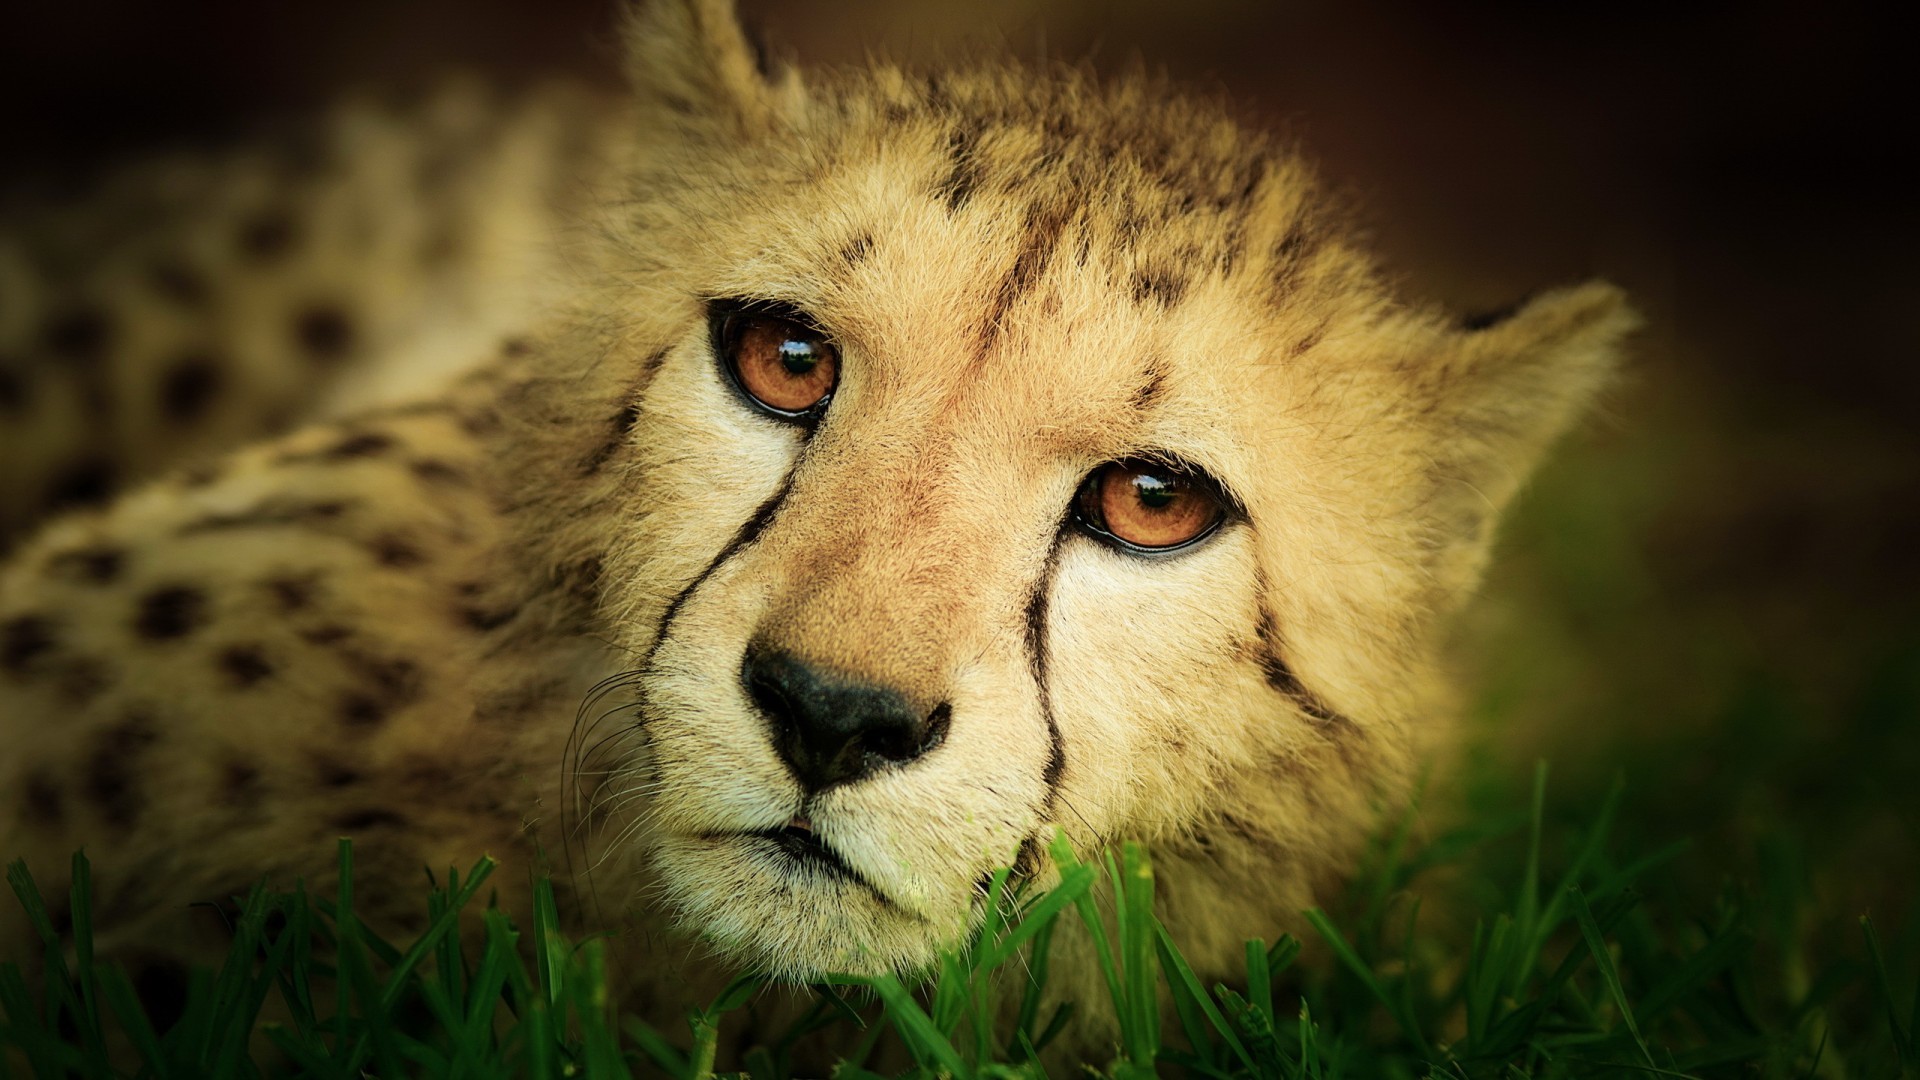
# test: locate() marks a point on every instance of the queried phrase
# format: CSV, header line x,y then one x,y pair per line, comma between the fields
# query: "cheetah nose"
x,y
831,730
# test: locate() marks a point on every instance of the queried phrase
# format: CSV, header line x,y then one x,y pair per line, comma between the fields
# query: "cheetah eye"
x,y
1149,506
775,357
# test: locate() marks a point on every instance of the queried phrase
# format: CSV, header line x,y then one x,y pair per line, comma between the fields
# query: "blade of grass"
x,y
1603,959
1902,1039
25,1026
930,1047
301,1052
57,980
80,900
655,1045
1089,914
1178,972
1318,919
588,986
124,1003
1137,931
398,978
1074,884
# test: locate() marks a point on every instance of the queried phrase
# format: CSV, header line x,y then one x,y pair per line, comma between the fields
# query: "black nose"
x,y
832,730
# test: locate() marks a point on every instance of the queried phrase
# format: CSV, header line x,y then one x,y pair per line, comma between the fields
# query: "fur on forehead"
x,y
1162,183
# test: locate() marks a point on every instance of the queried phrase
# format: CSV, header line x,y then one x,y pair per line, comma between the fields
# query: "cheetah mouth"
x,y
797,851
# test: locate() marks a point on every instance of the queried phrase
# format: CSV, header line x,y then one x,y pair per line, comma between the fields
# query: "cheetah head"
x,y
1015,451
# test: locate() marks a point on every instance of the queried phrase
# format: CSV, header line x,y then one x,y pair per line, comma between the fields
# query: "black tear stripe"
x,y
749,531
1279,674
1038,605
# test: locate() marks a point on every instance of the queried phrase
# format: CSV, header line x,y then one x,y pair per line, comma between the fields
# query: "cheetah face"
x,y
952,593
1023,455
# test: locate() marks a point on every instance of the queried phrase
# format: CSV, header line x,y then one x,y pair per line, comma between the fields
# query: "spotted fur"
x,y
511,616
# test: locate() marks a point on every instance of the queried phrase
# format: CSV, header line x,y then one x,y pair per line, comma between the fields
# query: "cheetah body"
x,y
509,616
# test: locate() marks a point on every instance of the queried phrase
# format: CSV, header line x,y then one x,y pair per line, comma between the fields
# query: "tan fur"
x,y
1029,273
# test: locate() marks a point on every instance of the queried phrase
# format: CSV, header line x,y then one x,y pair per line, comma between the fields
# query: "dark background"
x,y
1710,591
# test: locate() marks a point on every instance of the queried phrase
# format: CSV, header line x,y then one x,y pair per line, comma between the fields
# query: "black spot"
x,y
1150,389
485,619
392,549
1036,251
358,710
757,44
963,174
100,565
1160,288
1487,320
333,773
86,482
1291,253
24,639
329,634
41,802
359,821
200,476
81,679
240,784
1308,340
267,236
364,444
394,680
113,768
324,332
292,592
162,986
245,665
583,577
480,422
189,386
171,612
13,389
81,335
178,282
515,346
436,471
268,514
619,427
855,251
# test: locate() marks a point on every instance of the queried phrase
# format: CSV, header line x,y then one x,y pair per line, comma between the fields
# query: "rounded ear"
x,y
692,61
1500,392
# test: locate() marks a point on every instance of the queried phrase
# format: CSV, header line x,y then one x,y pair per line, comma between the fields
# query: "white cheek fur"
x,y
1135,643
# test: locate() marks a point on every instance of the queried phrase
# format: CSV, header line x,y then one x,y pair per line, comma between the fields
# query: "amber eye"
x,y
1148,505
781,363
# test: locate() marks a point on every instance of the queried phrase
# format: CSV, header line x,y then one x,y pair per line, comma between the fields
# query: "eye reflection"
x,y
784,365
1147,505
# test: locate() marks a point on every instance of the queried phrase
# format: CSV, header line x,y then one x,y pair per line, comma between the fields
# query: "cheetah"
x,y
896,469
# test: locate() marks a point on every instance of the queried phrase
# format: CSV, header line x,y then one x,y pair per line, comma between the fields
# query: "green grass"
x,y
1569,970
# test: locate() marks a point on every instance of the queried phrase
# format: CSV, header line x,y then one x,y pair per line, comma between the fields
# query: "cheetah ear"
x,y
1502,390
693,62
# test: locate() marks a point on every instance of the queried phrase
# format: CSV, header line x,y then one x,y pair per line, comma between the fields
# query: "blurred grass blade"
x,y
1318,919
1180,974
929,1045
1603,959
1902,1038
